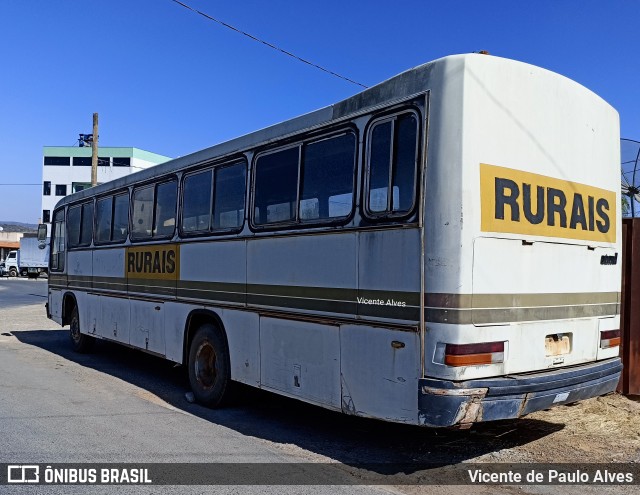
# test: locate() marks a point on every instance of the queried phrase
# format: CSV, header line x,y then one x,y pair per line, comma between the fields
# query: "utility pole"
x,y
94,152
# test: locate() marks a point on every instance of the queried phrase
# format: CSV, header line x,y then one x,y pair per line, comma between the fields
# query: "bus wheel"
x,y
79,342
209,368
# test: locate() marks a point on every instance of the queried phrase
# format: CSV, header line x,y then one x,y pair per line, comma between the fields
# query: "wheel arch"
x,y
69,302
195,319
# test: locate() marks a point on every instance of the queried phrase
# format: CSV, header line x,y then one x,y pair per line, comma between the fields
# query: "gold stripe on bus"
x,y
517,202
486,301
480,316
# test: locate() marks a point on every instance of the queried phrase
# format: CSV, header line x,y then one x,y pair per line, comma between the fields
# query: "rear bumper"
x,y
447,403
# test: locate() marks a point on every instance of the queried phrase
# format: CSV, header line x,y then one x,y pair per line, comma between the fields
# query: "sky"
x,y
167,80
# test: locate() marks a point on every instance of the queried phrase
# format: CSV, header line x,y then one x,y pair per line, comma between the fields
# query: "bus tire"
x,y
79,342
209,367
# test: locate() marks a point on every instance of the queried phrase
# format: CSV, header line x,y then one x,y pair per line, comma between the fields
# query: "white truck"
x,y
28,261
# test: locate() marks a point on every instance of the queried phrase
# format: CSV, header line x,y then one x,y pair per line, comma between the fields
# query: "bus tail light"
x,y
473,354
610,338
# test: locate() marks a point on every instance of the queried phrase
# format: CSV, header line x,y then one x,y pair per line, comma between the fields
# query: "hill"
x,y
9,226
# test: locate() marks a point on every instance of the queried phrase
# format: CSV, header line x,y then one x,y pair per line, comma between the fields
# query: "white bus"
x,y
440,249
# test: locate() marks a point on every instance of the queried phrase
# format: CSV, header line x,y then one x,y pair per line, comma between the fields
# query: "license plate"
x,y
557,344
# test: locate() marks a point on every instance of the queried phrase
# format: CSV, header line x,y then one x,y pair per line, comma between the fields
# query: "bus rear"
x,y
523,244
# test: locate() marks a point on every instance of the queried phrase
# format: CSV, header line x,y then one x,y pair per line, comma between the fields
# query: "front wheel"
x,y
209,367
13,272
79,342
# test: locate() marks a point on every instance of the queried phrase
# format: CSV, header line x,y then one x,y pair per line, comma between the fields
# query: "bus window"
x,y
161,199
112,218
228,206
80,224
86,231
276,186
142,221
74,216
393,154
327,178
166,200
196,202
58,245
324,172
120,217
103,219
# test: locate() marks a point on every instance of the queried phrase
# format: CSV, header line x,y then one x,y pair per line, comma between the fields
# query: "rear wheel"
x,y
209,367
79,342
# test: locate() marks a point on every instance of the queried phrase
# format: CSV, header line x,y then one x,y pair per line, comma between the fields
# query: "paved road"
x,y
119,405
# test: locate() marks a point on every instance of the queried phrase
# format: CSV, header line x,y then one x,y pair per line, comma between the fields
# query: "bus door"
x,y
57,262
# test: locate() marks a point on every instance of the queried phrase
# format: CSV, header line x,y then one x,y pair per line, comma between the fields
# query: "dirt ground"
x,y
599,430
603,429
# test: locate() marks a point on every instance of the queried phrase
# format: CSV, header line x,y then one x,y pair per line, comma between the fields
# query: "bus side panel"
x,y
113,318
389,275
113,312
303,274
79,273
379,372
243,336
214,272
301,359
80,269
55,305
147,325
88,311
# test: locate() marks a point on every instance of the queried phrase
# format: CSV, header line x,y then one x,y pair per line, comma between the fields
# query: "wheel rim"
x,y
205,365
74,328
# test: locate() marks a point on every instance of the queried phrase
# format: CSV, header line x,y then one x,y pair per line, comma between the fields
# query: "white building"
x,y
67,169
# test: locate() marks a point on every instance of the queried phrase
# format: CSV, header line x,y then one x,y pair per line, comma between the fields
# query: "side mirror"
x,y
42,236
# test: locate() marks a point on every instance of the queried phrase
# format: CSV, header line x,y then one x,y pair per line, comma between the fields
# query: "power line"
x,y
229,26
39,184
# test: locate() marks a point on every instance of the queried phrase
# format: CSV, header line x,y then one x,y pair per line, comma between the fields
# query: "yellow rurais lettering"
x,y
519,202
153,262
